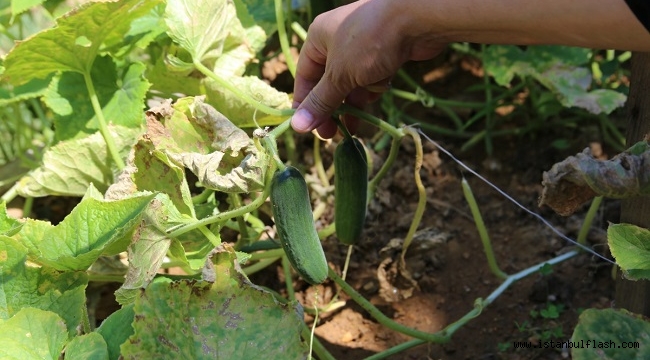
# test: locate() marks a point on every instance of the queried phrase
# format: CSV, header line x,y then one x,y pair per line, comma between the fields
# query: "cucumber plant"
x,y
112,58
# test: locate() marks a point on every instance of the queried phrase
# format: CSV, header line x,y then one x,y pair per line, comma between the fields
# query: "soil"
x,y
446,259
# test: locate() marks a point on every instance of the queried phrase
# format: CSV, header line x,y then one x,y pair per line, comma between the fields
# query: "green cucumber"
x,y
295,225
350,190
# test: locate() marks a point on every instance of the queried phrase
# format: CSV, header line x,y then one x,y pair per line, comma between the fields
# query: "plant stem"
x,y
260,265
380,317
531,270
392,155
318,163
284,40
227,215
243,228
214,240
266,254
327,231
479,305
482,231
85,320
240,94
286,268
299,30
101,122
422,195
202,197
27,207
317,346
589,218
390,129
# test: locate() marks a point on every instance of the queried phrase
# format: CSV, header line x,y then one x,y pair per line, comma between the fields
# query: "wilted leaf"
x,y
69,167
88,347
245,321
610,334
44,288
630,246
149,246
121,97
94,227
32,334
577,179
194,135
76,40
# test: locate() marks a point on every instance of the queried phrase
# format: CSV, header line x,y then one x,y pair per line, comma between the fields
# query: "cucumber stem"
x,y
422,195
482,231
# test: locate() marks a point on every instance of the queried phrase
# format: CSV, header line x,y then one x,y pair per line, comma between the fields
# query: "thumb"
x,y
318,106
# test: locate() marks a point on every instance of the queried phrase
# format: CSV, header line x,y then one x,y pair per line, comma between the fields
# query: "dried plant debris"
x,y
577,179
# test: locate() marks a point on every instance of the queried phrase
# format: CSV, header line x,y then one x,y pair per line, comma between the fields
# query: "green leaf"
x,y
19,6
199,26
76,40
30,90
245,321
121,97
32,334
260,12
600,334
88,347
70,166
169,82
8,225
240,112
43,288
630,246
116,329
560,68
92,228
577,179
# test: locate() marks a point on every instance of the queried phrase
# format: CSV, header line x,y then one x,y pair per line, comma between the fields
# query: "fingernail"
x,y
302,120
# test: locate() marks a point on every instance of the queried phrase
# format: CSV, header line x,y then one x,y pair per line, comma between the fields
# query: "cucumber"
x,y
295,225
350,190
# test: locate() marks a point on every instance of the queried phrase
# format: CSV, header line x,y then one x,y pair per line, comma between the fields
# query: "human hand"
x,y
350,55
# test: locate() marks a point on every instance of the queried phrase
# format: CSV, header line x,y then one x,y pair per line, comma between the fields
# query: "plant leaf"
x,y
92,228
20,6
32,334
630,246
577,179
70,166
88,347
43,288
260,12
240,112
559,68
121,97
601,333
149,247
246,321
199,26
8,225
30,90
76,40
116,329
193,134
